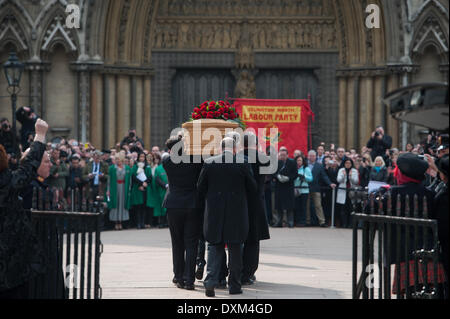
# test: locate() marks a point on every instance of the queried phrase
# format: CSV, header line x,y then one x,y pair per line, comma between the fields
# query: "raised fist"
x,y
41,127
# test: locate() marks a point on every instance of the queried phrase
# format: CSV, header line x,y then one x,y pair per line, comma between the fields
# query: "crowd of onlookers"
x,y
348,172
80,173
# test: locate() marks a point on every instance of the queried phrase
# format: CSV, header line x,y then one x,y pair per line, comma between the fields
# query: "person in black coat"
x,y
225,183
379,143
284,189
183,214
21,256
410,173
258,225
320,179
26,116
442,213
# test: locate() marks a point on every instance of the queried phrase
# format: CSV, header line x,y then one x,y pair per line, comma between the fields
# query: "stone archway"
x,y
133,38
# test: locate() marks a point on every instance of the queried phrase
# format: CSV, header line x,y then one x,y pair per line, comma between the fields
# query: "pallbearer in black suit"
x,y
258,225
183,213
225,184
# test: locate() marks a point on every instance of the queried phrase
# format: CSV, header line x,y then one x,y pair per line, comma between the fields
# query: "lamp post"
x,y
13,71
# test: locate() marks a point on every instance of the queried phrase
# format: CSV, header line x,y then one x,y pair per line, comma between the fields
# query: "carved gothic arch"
x,y
430,31
53,32
11,29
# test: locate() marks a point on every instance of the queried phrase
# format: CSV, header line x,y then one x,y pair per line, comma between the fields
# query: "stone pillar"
x,y
350,114
366,116
36,85
123,106
110,102
96,112
147,112
139,107
378,102
343,111
392,127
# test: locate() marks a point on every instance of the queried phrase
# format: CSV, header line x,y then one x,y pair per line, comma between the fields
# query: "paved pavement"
x,y
300,263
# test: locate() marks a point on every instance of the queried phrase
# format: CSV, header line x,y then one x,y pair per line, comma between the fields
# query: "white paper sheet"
x,y
142,177
375,186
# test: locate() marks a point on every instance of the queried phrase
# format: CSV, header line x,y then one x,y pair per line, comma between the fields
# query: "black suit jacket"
x,y
399,209
258,225
284,192
225,187
183,177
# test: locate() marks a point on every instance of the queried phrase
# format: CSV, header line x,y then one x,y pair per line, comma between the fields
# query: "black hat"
x,y
442,164
412,166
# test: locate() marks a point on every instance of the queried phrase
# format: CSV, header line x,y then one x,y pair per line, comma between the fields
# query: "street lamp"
x,y
13,71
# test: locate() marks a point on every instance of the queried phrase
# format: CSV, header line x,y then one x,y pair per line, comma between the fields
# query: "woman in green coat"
x,y
157,191
138,190
118,194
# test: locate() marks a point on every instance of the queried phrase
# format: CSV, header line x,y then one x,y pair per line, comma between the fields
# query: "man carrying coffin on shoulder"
x,y
183,212
258,225
224,184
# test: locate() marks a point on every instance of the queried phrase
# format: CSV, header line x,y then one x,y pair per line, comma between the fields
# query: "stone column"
x,y
110,110
36,78
366,116
147,112
392,124
96,112
343,111
139,106
83,100
123,106
378,103
350,114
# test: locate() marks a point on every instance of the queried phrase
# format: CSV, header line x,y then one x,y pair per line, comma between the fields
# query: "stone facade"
x,y
127,63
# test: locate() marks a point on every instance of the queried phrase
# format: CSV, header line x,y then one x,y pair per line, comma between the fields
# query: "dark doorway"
x,y
191,87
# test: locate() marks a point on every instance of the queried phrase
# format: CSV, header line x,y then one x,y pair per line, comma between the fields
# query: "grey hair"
x,y
312,152
227,143
235,136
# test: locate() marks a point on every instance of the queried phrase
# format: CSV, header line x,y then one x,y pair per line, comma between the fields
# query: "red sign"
x,y
288,119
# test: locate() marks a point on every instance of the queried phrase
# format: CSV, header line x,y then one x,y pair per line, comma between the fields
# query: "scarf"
x,y
402,178
377,168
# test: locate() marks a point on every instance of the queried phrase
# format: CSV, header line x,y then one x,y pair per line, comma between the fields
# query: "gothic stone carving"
x,y
281,34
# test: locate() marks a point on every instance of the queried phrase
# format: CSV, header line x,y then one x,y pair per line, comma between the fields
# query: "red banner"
x,y
291,118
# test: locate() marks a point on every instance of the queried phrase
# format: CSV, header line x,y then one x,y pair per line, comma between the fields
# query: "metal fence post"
x,y
333,204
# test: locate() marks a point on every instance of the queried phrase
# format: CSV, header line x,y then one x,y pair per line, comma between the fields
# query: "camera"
x,y
377,134
131,135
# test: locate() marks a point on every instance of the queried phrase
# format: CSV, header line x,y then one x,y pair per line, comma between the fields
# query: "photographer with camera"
x,y
379,143
6,138
26,116
132,138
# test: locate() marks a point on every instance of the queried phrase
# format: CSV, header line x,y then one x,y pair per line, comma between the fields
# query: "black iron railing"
x,y
68,227
72,246
392,245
